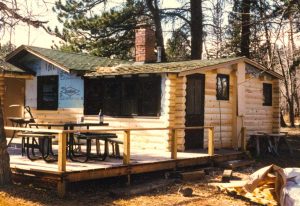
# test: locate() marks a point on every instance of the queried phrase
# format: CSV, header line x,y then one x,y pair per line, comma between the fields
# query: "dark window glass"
x,y
267,94
123,96
222,87
47,92
111,96
93,93
129,97
149,95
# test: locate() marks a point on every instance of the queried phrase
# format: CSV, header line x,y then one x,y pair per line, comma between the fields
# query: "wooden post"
x,y
173,144
243,139
126,152
62,153
61,188
211,143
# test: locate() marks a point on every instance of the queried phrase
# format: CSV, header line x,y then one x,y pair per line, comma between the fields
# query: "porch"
x,y
135,160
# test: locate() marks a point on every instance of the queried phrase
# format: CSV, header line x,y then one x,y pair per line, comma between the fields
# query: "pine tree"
x,y
233,31
109,34
178,46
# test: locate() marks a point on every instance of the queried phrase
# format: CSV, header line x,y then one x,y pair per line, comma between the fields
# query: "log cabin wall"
x,y
142,139
276,105
2,91
260,118
246,111
218,113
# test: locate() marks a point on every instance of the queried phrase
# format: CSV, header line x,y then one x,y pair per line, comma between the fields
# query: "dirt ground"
x,y
99,192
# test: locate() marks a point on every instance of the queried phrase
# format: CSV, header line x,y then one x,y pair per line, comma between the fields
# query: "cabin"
x,y
12,84
228,93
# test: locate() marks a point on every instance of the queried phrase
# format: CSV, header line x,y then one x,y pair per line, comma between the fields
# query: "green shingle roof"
x,y
7,67
170,67
174,67
102,66
69,61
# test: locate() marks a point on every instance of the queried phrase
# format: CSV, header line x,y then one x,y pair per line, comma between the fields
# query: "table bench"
x,y
272,142
97,137
44,145
115,145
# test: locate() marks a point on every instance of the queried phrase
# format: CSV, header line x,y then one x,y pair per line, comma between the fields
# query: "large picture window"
x,y
123,96
267,94
222,87
47,92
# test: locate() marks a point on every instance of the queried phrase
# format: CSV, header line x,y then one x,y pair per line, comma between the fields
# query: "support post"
x,y
243,139
61,188
173,144
62,153
126,152
211,149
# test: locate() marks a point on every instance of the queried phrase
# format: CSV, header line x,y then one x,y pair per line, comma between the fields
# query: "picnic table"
x,y
272,142
71,140
18,122
97,137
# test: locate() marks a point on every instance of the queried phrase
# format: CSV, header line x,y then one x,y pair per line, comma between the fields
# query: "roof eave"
x,y
28,49
261,67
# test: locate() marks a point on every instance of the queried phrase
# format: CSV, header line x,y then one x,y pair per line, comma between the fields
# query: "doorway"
x,y
14,95
194,111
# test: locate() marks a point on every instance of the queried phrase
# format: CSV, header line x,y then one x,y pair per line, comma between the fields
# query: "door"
x,y
194,111
14,95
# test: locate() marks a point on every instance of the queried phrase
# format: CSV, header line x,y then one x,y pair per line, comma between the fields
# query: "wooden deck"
x,y
141,162
135,160
138,157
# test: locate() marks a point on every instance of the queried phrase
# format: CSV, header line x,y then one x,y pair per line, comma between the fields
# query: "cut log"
x,y
227,174
194,175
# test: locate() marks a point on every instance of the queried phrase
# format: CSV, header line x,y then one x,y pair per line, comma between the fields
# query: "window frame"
x,y
218,95
267,88
41,104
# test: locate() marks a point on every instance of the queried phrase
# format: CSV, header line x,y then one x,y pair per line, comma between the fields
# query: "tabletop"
x,y
97,135
35,135
74,124
20,119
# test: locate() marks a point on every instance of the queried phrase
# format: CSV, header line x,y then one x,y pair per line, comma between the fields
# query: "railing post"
x,y
62,153
173,144
126,152
243,139
211,142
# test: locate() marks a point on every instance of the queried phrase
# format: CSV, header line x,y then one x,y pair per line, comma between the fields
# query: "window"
x,y
267,94
222,87
123,96
47,92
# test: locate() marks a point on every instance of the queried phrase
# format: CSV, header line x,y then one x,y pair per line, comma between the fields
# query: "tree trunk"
x,y
245,37
282,122
5,173
291,112
158,29
262,11
196,29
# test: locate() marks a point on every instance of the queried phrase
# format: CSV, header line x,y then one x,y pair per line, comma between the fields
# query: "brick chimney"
x,y
144,44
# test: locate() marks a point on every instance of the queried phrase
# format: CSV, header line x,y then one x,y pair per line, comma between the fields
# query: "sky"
x,y
23,34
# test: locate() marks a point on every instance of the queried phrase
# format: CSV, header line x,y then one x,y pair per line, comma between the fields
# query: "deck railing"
x,y
62,140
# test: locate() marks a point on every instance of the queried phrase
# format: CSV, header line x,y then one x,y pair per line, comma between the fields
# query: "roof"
x,y
7,67
174,67
65,60
95,66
